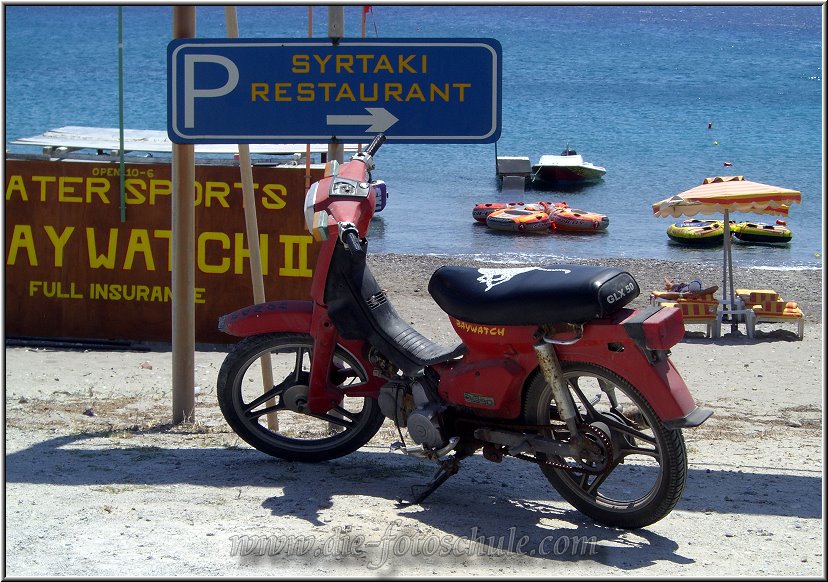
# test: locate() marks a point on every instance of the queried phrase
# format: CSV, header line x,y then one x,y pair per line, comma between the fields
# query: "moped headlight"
x,y
310,202
315,222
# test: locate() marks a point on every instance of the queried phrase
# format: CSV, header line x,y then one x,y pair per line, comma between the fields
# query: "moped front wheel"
x,y
646,470
263,384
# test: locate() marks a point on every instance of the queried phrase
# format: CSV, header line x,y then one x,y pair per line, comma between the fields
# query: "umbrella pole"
x,y
727,278
724,267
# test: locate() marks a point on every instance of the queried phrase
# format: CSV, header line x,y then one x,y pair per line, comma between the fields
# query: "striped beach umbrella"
x,y
722,195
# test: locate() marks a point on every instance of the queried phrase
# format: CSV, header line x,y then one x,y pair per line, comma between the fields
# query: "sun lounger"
x,y
769,307
658,297
697,310
757,296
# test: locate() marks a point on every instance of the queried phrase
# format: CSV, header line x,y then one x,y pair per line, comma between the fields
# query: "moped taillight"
x,y
659,328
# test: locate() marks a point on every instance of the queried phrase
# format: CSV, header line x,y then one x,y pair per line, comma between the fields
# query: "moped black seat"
x,y
531,295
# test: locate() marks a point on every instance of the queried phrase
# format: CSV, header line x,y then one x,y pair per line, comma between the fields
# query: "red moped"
x,y
552,368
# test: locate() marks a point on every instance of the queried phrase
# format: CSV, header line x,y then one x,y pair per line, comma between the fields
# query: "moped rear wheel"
x,y
300,436
647,470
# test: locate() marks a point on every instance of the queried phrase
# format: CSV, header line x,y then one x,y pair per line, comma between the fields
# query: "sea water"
x,y
661,96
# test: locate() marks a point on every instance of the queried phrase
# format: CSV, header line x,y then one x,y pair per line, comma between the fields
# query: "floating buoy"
x,y
715,142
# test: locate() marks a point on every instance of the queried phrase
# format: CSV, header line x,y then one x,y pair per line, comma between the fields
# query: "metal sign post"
x,y
336,30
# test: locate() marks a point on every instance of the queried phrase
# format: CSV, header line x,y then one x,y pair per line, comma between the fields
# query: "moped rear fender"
x,y
282,316
608,343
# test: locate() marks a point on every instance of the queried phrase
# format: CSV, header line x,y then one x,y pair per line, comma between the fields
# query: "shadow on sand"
x,y
484,501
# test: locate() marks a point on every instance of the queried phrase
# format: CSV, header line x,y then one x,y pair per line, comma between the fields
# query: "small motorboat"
x,y
569,219
519,220
759,232
697,232
566,169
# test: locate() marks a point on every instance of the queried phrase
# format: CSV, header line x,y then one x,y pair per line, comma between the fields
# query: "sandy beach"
x,y
98,483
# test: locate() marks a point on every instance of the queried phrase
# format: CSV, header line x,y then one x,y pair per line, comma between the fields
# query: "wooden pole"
x,y
183,267
252,225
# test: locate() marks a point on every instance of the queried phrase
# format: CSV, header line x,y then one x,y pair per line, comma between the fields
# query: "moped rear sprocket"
x,y
582,465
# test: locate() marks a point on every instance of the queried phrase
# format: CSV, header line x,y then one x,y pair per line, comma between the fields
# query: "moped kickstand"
x,y
448,467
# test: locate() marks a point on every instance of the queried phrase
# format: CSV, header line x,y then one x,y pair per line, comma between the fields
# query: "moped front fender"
x,y
294,316
282,316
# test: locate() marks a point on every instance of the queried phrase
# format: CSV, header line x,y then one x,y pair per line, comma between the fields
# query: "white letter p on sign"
x,y
191,93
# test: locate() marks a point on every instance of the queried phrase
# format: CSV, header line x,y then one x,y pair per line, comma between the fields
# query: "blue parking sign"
x,y
314,91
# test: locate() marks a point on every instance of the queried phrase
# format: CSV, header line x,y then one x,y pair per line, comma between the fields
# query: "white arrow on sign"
x,y
379,119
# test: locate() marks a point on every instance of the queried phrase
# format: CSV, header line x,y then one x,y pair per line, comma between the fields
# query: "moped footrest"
x,y
424,453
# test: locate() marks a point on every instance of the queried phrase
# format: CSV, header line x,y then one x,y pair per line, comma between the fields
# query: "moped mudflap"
x,y
690,420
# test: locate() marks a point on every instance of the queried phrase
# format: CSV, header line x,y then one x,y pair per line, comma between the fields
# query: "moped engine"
x,y
409,406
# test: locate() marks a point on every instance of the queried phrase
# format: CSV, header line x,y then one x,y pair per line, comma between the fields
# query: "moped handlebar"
x,y
351,240
375,144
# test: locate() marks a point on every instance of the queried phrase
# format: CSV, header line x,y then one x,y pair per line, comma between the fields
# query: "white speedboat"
x,y
565,169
